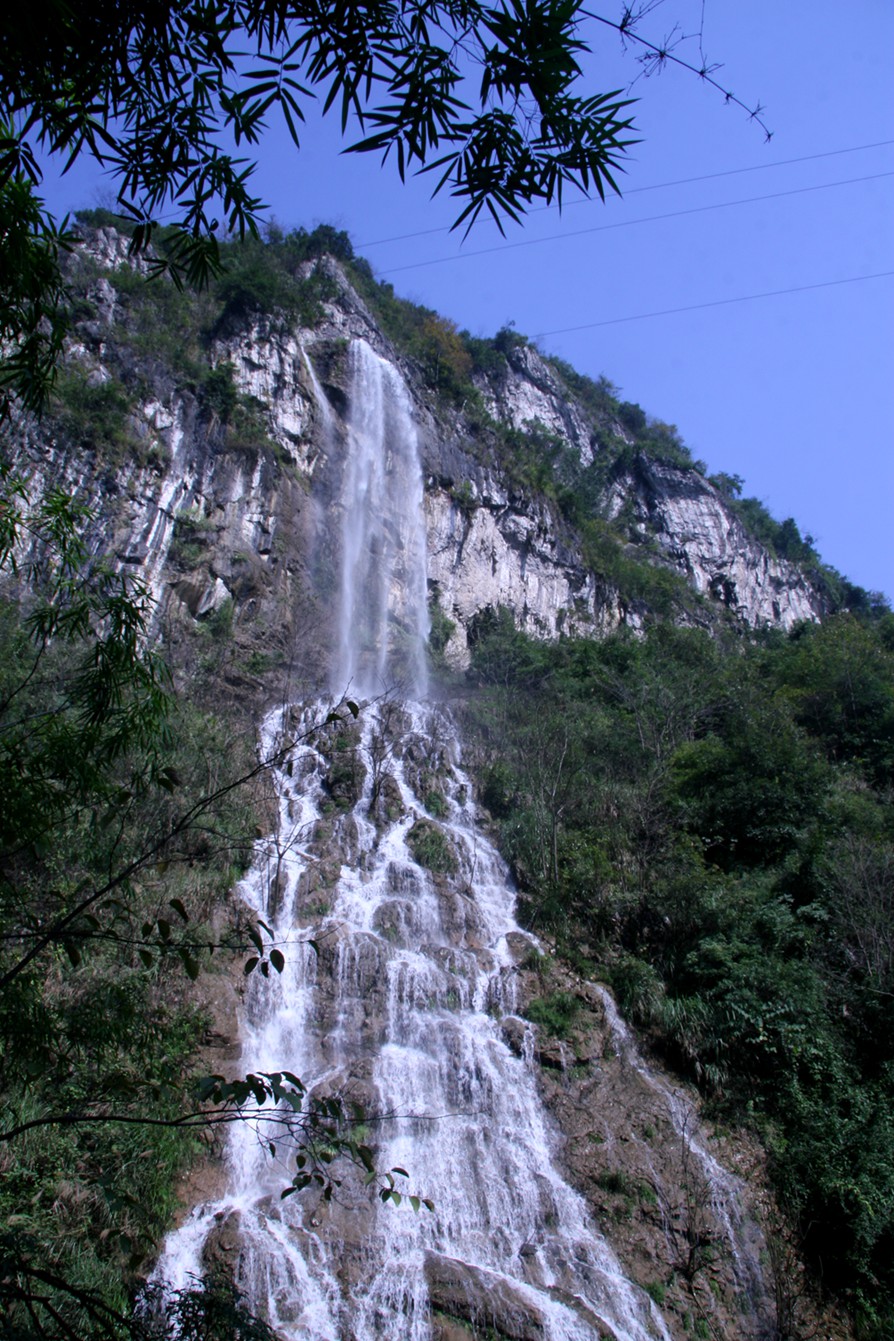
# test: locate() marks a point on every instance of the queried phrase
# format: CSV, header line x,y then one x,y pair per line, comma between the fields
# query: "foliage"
x,y
431,847
193,533
210,1310
709,818
263,278
784,539
555,1013
219,391
780,538
92,414
484,98
441,630
125,815
112,695
347,772
33,301
157,100
441,352
598,397
83,740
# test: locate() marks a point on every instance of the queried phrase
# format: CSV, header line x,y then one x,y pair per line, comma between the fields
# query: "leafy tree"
x,y
33,300
118,822
706,822
839,678
485,97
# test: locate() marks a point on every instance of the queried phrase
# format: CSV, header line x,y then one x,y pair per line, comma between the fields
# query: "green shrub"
x,y
219,623
487,360
463,497
263,280
441,630
432,848
555,1013
219,392
104,218
193,533
93,415
435,804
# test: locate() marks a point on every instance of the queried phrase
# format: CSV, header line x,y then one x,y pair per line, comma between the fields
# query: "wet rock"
x,y
444,1328
220,1254
630,1142
553,1053
344,781
515,1032
481,1299
522,947
388,804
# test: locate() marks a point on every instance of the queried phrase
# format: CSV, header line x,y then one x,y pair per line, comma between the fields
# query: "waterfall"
x,y
724,1191
402,1000
383,615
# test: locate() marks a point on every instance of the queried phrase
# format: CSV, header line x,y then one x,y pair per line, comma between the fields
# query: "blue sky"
x,y
795,393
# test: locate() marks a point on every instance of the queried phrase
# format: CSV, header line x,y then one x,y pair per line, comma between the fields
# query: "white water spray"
x,y
376,849
383,615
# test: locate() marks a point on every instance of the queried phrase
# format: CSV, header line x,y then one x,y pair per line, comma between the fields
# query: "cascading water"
x,y
376,848
383,612
723,1190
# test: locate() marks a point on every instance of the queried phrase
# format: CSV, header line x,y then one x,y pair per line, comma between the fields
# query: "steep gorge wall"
x,y
208,519
695,532
205,516
703,540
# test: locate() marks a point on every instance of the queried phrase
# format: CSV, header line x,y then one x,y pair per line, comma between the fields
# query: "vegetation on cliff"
x,y
118,844
702,818
706,822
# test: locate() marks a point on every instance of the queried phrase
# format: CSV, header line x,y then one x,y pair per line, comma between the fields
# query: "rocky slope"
x,y
208,508
220,490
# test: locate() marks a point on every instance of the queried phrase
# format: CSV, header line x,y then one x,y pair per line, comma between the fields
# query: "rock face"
x,y
681,1207
494,555
530,392
708,544
482,1302
215,516
231,525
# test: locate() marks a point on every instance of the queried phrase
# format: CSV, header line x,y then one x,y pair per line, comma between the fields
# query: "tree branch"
x,y
661,54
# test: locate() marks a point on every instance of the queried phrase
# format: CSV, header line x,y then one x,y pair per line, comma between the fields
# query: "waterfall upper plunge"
x,y
400,1004
383,611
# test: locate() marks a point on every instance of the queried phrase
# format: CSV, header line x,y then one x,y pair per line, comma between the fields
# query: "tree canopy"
x,y
168,97
705,822
162,94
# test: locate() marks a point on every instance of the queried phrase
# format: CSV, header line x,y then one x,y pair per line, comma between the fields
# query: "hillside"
x,y
678,720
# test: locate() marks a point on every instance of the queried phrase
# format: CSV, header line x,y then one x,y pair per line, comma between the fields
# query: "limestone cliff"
x,y
705,541
213,503
216,478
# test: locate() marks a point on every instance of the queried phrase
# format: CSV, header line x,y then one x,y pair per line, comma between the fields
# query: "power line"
x,y
656,186
630,223
719,302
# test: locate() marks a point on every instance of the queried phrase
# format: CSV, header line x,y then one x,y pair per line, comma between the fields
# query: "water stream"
x,y
383,611
377,854
724,1190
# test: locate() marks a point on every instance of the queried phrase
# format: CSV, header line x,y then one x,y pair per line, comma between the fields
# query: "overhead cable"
x,y
656,186
630,223
718,302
